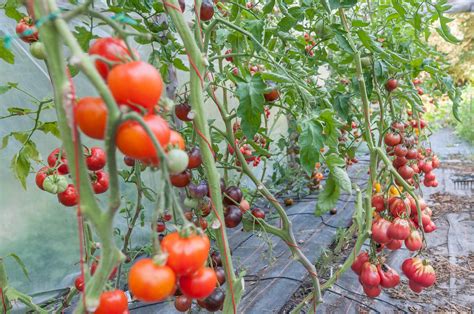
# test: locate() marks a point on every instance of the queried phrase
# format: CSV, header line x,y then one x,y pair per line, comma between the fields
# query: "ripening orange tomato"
x,y
91,116
176,140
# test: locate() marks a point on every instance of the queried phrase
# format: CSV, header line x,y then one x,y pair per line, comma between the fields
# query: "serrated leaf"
x,y
328,197
342,179
179,64
11,9
21,264
251,101
330,127
20,166
334,160
84,36
341,104
255,27
275,77
268,7
50,127
343,43
310,142
287,23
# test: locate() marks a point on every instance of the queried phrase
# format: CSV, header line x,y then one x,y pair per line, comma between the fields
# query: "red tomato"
x,y
195,158
79,283
414,241
150,282
112,302
369,275
359,261
379,231
91,116
199,284
258,213
419,271
182,111
372,292
378,202
186,255
406,172
392,139
26,30
430,227
244,206
176,140
62,164
394,245
411,154
41,175
391,85
399,229
95,159
233,216
228,52
111,49
399,206
181,180
100,181
136,84
207,10
133,141
69,197
182,303
415,287
389,278
272,94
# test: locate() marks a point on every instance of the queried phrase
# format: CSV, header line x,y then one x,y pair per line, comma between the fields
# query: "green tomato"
x,y
37,50
191,202
177,161
55,184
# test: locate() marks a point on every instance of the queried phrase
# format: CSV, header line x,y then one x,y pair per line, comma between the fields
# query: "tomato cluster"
x,y
183,274
53,178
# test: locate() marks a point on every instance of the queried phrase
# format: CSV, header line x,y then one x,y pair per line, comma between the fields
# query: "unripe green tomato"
x,y
177,161
37,50
366,62
191,202
55,184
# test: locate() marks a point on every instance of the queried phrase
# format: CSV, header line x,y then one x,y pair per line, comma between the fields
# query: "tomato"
x,y
61,165
227,52
233,216
232,195
394,245
207,10
391,85
397,125
400,150
399,229
272,93
435,162
79,283
195,158
186,254
183,112
26,30
150,282
419,271
160,226
100,181
91,116
216,259
200,284
176,140
399,161
214,302
111,49
430,176
198,191
419,90
258,213
182,303
41,175
411,154
369,275
182,5
414,242
95,159
55,183
379,231
69,197
399,206
378,202
392,139
201,222
177,161
414,286
136,84
112,302
430,227
95,264
133,141
244,206
220,274
359,261
389,278
129,161
38,51
372,292
181,180
427,167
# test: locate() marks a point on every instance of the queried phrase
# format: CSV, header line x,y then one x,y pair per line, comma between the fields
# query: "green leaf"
x,y
84,36
5,141
341,104
20,263
328,197
342,179
268,7
11,11
179,64
287,23
399,8
334,160
336,4
275,77
255,27
359,23
50,127
331,125
251,101
21,165
343,43
310,142
4,89
5,53
380,69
